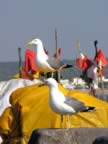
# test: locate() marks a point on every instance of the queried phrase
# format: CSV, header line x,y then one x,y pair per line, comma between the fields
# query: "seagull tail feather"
x,y
89,109
67,66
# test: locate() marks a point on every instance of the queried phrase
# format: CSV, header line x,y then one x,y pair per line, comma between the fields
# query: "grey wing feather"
x,y
76,104
55,63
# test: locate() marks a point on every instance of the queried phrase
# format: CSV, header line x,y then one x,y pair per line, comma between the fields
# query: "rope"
x,y
16,135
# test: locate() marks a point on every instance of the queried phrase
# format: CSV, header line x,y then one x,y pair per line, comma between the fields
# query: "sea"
x,y
9,69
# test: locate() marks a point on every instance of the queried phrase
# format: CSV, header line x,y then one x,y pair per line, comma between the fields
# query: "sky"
x,y
23,20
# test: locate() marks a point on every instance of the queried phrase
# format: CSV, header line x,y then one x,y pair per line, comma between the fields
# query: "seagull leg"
x,y
61,121
52,74
68,121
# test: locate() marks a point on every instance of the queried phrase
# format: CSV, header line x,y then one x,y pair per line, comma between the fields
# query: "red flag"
x,y
84,63
30,60
24,74
58,53
100,56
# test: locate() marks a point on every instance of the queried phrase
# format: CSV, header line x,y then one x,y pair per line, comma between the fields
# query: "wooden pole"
x,y
79,50
20,59
57,74
99,69
56,42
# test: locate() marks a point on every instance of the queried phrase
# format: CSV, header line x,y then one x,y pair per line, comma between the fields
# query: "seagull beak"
x,y
29,43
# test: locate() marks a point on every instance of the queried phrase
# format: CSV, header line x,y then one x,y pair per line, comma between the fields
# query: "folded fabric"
x,y
30,60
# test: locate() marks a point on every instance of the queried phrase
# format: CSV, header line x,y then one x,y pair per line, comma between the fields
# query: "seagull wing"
x,y
77,105
57,64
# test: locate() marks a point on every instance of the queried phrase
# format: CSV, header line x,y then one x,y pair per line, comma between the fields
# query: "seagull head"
x,y
51,82
34,42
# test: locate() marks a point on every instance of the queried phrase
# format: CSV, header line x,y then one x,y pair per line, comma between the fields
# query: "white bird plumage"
x,y
62,104
44,63
41,56
57,98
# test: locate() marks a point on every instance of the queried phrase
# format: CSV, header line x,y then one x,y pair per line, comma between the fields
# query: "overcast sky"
x,y
23,20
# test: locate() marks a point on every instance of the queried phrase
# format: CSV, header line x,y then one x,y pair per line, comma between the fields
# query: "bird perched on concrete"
x,y
61,104
43,61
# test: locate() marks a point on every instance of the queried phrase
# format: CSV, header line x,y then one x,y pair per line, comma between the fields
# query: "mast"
x,y
57,74
20,59
56,42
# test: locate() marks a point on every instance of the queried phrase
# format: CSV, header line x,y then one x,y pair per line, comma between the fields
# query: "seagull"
x,y
44,62
61,104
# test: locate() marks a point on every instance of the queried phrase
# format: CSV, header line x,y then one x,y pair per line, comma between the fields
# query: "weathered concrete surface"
x,y
68,136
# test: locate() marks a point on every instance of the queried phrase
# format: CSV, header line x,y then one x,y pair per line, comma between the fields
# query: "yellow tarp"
x,y
35,111
35,75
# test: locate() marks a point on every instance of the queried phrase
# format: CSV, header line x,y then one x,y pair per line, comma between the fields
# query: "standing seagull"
x,y
61,104
44,63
